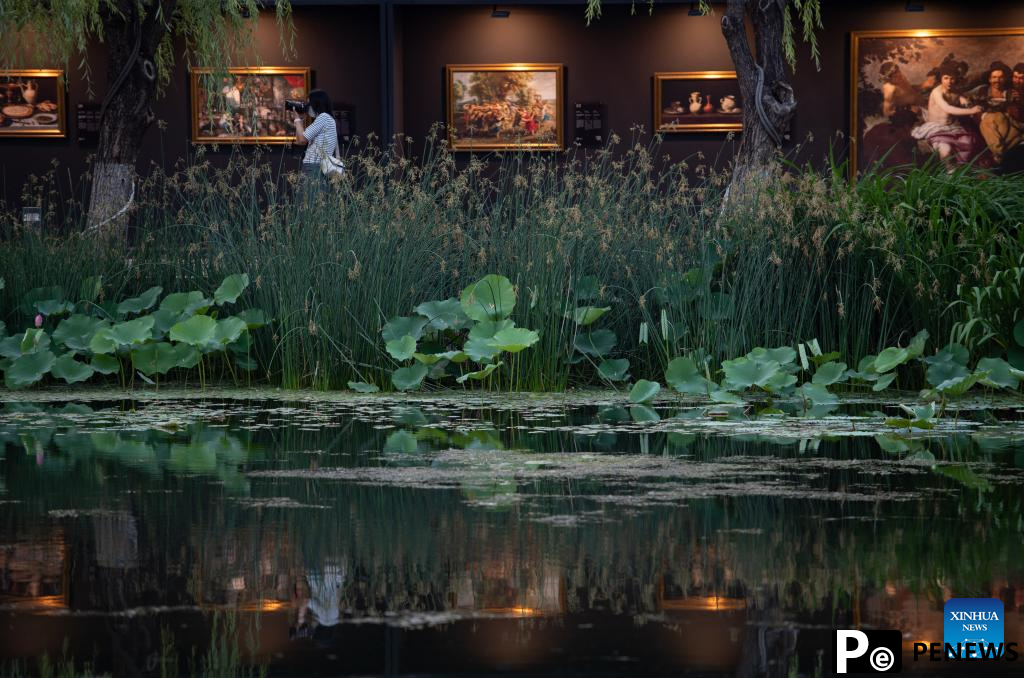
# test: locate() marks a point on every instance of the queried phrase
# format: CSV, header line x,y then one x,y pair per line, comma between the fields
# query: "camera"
x,y
297,106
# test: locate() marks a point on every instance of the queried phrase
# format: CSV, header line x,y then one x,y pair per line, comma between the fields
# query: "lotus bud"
x,y
39,319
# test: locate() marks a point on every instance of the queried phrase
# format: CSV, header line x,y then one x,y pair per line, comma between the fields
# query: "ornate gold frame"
x,y
194,86
469,145
62,111
661,77
855,38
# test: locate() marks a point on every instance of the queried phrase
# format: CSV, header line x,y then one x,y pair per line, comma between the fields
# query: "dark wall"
x,y
339,44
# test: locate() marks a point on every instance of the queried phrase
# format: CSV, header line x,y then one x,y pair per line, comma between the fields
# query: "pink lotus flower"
x,y
39,320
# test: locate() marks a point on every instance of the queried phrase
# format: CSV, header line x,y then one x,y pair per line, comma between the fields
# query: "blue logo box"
x,y
974,620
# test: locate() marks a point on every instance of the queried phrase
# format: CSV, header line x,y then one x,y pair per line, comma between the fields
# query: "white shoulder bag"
x,y
331,165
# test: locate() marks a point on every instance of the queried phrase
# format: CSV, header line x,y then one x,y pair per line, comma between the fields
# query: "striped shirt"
x,y
322,135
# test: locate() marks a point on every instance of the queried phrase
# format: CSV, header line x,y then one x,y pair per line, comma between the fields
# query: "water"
x,y
541,536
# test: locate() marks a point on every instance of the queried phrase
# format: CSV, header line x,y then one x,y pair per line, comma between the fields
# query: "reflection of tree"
x,y
500,85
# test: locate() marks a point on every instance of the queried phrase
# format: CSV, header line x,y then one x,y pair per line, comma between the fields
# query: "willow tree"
x,y
762,69
142,40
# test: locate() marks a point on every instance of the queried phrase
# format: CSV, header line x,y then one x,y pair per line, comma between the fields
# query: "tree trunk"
x,y
768,102
133,38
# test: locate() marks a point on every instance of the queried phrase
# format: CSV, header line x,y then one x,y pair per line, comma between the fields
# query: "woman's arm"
x,y
300,129
940,102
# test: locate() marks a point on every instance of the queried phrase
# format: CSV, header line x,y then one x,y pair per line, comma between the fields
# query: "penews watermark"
x,y
869,651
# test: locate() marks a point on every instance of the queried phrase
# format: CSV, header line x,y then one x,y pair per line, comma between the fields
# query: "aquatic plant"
x,y
994,316
88,336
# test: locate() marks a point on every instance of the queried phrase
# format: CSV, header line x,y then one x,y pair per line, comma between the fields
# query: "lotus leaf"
x,y
585,315
34,340
444,315
486,329
432,358
950,353
597,343
229,330
401,349
1015,356
231,289
102,342
396,328
824,358
783,355
162,357
514,339
957,386
199,330
409,378
247,364
28,369
683,376
242,345
91,288
52,307
132,332
1000,373
1018,332
10,347
613,370
643,391
480,374
883,382
940,372
70,370
105,364
480,350
830,373
779,382
643,414
916,346
491,298
254,318
76,331
163,320
36,295
185,303
818,394
588,287
725,397
143,302
362,387
401,442
891,358
742,373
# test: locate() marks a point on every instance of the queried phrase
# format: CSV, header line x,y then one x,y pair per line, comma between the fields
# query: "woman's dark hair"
x,y
320,102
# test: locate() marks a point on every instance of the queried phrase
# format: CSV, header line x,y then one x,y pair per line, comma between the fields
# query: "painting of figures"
x,y
505,106
246,105
956,96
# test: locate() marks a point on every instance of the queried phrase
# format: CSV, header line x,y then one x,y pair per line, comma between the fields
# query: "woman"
x,y
321,136
941,129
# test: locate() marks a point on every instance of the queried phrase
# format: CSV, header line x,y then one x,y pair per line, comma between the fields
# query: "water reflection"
x,y
375,538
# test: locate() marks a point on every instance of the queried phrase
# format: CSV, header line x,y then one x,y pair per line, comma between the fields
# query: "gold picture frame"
x,y
875,90
32,103
717,94
489,110
248,107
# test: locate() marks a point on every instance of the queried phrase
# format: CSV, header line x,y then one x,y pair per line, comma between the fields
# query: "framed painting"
x,y
697,101
957,95
505,106
245,105
32,103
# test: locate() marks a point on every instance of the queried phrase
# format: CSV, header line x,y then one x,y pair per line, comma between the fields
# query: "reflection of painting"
x,y
32,103
957,94
699,101
505,106
247,104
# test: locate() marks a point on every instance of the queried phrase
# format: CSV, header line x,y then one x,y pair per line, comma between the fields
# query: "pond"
x,y
277,533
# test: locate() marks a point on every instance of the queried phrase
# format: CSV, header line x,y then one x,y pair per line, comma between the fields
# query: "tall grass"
x,y
857,267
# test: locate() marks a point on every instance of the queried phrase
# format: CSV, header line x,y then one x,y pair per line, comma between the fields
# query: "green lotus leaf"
x,y
491,298
185,303
70,370
940,372
597,343
643,414
52,307
613,370
588,287
480,350
1015,356
486,329
195,457
242,345
199,330
830,373
90,289
143,302
950,353
444,315
1000,373
480,374
818,394
132,332
725,397
163,320
867,364
826,358
37,295
28,369
401,442
10,347
246,363
891,358
782,355
254,318
231,289
586,315
742,373
102,341
883,382
401,349
514,339
779,382
683,376
409,378
396,328
34,340
362,387
162,357
957,386
229,330
643,391
915,348
105,364
76,331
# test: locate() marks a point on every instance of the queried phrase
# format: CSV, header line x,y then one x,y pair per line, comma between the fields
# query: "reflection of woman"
x,y
941,128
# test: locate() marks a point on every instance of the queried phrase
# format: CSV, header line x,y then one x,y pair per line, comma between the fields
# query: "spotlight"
x,y
500,13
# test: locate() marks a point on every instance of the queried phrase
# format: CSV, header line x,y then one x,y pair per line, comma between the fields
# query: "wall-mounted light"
x,y
914,7
500,13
